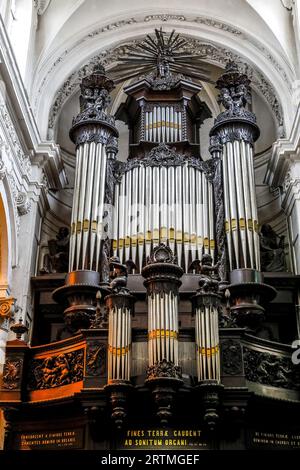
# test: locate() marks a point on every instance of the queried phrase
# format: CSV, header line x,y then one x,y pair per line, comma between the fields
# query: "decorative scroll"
x,y
271,369
56,371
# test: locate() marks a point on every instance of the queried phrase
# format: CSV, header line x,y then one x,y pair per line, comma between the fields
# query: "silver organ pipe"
x,y
186,216
163,124
227,207
167,124
155,208
248,209
100,206
205,309
162,294
158,125
249,155
154,125
241,224
179,125
163,191
88,206
147,126
120,308
199,214
205,215
178,213
141,215
192,211
171,124
148,211
127,215
95,201
74,217
175,126
233,202
211,220
172,205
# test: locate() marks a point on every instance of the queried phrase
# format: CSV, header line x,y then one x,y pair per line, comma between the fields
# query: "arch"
x,y
8,235
271,76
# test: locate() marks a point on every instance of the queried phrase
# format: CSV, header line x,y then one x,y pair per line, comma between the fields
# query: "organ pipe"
x,y
172,205
206,304
120,308
162,280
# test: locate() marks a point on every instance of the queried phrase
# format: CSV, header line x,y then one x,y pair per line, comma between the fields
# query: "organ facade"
x,y
178,314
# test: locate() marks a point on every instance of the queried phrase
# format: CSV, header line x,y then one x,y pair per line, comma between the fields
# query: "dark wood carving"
x,y
96,359
270,369
55,371
11,374
231,357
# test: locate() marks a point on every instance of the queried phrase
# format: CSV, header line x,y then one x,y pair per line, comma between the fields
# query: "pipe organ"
x,y
236,131
163,123
162,276
163,195
120,307
171,204
206,304
177,222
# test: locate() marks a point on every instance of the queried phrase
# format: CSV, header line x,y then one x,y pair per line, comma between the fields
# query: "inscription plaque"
x,y
50,440
164,439
273,440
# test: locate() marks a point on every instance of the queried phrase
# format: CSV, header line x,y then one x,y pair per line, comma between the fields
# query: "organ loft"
x,y
164,319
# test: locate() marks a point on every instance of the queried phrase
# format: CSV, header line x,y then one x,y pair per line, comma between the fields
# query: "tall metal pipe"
x,y
92,128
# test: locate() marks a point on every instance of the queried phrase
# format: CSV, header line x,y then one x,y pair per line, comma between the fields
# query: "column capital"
x,y
7,305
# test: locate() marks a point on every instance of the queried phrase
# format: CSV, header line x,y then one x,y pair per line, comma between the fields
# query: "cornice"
x,y
285,152
38,152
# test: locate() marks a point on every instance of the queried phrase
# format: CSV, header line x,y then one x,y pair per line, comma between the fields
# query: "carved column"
x,y
92,129
162,275
7,307
236,130
120,305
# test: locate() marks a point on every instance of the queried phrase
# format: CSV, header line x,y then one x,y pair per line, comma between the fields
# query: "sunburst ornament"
x,y
162,58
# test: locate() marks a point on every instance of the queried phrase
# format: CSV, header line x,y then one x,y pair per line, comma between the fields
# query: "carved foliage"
x,y
163,369
270,369
162,254
55,371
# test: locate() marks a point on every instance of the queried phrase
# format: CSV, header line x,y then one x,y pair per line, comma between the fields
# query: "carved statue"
x,y
56,371
118,275
58,258
271,250
209,281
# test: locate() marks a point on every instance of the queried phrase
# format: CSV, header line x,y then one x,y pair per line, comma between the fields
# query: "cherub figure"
x,y
209,281
118,275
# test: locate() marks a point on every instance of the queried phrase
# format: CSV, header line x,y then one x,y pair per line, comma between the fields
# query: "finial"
x,y
19,329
